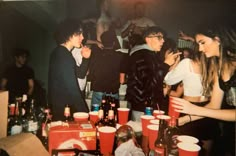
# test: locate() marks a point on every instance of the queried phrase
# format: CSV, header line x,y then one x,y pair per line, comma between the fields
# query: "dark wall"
x,y
18,30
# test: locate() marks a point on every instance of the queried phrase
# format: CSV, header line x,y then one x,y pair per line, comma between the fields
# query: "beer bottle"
x,y
44,127
160,143
31,119
100,118
171,134
15,123
67,114
111,119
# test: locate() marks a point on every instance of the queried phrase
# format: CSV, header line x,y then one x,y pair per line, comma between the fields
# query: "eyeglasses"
x,y
159,37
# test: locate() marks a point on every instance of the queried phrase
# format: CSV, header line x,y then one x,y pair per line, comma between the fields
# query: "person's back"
x,y
105,68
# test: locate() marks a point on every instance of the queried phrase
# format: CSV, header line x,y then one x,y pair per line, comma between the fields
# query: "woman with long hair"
x,y
188,71
218,44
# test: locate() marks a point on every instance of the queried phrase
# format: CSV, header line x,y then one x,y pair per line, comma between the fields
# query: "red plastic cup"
x,y
12,109
152,135
171,111
165,117
188,149
80,116
93,116
145,120
158,112
123,114
187,139
106,137
155,122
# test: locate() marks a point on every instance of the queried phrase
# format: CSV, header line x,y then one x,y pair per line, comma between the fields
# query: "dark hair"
x,y
66,29
225,31
153,30
21,52
211,67
169,44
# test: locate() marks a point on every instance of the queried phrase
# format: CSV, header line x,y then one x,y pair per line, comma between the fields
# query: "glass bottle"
x,y
11,114
171,134
160,143
15,123
67,114
111,119
44,127
100,118
114,107
31,119
106,107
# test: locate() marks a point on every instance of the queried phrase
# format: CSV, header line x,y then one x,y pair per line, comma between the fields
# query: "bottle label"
x,y
47,111
159,152
67,111
32,126
100,114
111,114
16,129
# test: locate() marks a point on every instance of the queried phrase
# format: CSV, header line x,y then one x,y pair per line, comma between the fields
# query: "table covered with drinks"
x,y
106,130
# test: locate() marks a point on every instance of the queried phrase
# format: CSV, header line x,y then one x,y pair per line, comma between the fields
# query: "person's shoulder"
x,y
61,50
186,61
142,53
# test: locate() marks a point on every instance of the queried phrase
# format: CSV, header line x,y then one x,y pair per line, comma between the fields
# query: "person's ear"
x,y
217,39
147,39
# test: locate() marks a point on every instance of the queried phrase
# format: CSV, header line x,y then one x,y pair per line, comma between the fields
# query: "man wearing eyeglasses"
x,y
146,73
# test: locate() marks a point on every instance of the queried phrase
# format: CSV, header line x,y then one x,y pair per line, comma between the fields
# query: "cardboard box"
x,y
23,144
73,135
4,113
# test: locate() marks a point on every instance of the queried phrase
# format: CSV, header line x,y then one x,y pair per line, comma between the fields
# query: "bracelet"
x,y
190,119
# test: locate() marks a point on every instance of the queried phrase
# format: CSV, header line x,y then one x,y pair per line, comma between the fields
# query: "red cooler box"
x,y
73,135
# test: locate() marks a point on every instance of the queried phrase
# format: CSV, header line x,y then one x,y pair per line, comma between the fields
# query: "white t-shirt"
x,y
76,53
191,81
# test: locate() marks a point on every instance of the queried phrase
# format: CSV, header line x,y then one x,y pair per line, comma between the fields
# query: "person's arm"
x,y
99,44
122,78
211,110
186,37
127,28
31,86
178,73
178,92
3,84
99,31
81,71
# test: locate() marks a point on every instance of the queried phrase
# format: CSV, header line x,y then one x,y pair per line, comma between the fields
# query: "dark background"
x,y
30,24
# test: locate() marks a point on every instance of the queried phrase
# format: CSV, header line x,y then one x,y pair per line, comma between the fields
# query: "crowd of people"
x,y
204,76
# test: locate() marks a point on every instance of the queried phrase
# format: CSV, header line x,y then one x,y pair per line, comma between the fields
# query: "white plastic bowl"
x,y
81,116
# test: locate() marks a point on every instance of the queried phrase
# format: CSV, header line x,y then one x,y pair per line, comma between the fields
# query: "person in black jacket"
x,y
146,72
63,87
